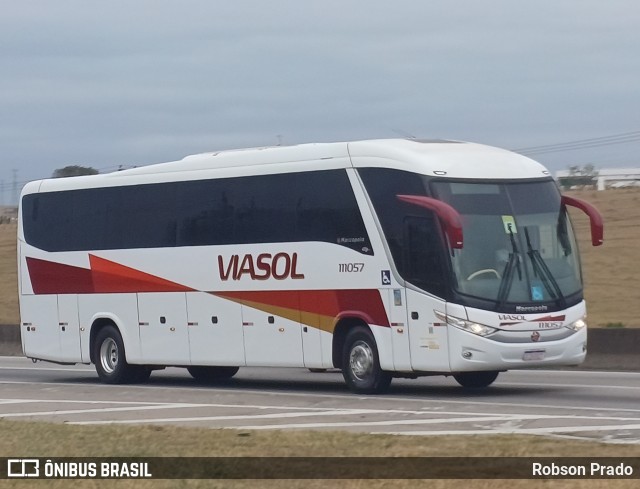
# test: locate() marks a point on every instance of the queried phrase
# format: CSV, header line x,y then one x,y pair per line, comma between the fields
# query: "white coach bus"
x,y
383,258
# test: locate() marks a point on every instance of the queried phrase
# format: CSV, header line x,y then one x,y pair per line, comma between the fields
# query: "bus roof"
x,y
453,159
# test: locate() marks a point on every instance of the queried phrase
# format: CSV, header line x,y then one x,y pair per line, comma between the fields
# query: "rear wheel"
x,y
475,380
111,363
361,365
212,374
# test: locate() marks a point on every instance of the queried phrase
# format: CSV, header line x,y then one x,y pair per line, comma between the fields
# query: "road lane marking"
x,y
348,397
141,406
345,412
79,401
516,431
98,410
390,422
50,369
564,386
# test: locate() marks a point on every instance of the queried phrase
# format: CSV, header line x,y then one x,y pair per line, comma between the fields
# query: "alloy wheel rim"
x,y
361,360
109,355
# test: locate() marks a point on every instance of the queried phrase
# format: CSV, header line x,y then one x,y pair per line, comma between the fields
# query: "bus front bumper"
x,y
469,352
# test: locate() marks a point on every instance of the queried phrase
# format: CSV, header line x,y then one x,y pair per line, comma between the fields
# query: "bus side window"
x,y
423,260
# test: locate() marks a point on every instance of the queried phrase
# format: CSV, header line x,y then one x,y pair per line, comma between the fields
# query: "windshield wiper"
x,y
541,270
512,264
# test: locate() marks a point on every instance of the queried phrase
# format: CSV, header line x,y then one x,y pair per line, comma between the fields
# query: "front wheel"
x,y
475,380
361,365
111,364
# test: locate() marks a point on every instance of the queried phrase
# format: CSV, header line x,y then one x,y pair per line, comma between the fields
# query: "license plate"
x,y
534,355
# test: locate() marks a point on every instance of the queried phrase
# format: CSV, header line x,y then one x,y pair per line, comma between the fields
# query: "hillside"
x,y
611,271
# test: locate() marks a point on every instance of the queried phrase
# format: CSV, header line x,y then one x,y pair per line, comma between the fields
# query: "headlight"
x,y
578,325
471,327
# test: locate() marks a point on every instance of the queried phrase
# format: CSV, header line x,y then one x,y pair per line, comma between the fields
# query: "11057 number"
x,y
350,267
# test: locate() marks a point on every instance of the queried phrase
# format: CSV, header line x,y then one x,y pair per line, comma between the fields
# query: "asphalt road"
x,y
591,405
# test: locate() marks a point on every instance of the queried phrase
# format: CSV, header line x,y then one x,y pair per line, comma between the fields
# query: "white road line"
x,y
572,386
396,422
15,401
515,431
575,429
50,369
347,412
91,411
211,405
432,421
347,397
574,372
221,405
78,401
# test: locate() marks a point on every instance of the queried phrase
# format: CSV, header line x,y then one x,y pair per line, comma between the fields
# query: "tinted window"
x,y
310,206
423,262
383,185
413,235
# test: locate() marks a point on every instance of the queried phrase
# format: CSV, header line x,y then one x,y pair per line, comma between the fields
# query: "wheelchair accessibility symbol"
x,y
386,277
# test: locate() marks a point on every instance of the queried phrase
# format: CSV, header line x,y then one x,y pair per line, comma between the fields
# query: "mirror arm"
x,y
447,215
595,218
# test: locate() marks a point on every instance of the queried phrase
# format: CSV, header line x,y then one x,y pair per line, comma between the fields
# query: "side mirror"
x,y
597,224
448,216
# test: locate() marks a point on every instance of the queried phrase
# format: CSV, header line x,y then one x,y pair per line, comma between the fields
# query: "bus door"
x,y
215,331
69,328
271,339
39,329
162,319
424,271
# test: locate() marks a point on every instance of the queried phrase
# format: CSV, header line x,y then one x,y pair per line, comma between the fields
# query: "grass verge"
x,y
36,439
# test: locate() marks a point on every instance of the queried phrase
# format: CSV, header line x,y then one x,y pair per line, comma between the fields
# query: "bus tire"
x,y
476,380
141,375
361,365
212,374
111,363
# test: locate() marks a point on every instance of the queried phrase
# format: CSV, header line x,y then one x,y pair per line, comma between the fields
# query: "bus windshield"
x,y
519,246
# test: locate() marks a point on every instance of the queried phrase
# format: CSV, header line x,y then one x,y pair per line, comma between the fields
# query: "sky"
x,y
133,82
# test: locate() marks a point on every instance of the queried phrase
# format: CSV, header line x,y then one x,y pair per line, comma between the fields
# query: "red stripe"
x,y
106,276
55,278
332,303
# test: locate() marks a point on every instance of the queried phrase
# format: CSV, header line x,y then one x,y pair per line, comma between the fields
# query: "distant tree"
x,y
580,176
74,171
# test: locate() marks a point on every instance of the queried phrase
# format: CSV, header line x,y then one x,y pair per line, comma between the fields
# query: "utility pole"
x,y
14,188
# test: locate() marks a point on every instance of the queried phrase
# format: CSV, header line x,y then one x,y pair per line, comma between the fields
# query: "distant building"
x,y
609,177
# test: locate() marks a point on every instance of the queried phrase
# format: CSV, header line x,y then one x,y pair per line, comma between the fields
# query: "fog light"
x,y
466,355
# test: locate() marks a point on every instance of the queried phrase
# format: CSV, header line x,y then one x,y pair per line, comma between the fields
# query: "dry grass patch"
x,y
611,271
9,311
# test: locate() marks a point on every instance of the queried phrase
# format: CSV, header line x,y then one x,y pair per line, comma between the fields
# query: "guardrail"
x,y
609,349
